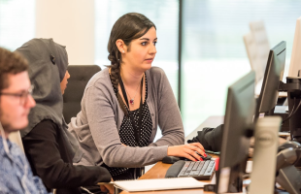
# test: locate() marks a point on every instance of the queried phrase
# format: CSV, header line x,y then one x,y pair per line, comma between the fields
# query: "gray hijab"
x,y
48,63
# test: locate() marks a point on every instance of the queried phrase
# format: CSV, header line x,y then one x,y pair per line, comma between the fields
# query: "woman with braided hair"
x,y
124,104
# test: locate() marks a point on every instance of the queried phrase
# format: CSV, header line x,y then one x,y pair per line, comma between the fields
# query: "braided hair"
x,y
127,28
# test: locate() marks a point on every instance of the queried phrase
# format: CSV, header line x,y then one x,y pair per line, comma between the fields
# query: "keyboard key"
x,y
187,172
200,166
201,170
182,173
190,166
209,170
194,173
204,168
195,166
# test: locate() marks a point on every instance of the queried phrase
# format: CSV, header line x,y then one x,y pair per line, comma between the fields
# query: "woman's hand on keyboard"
x,y
188,151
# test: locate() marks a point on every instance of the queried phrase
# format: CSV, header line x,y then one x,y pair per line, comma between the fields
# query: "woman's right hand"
x,y
188,151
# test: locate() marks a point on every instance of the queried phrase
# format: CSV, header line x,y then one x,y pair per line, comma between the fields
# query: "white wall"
x,y
70,23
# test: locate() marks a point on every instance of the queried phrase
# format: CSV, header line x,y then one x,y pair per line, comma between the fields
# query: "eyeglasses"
x,y
23,95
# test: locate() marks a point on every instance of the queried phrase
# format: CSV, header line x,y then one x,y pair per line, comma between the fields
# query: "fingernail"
x,y
201,159
205,155
196,160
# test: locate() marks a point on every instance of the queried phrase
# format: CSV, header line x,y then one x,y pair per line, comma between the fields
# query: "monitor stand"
x,y
293,89
289,178
230,180
264,158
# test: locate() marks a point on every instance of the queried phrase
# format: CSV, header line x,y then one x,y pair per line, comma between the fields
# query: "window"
x,y
17,22
214,55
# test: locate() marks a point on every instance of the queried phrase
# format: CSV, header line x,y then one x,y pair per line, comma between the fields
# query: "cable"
x,y
293,111
83,188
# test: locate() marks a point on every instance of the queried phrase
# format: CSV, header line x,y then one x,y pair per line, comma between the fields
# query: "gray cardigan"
x,y
96,126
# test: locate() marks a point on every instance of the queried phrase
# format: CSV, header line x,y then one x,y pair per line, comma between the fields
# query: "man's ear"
x,y
121,46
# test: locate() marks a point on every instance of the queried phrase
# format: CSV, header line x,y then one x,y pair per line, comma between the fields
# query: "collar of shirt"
x,y
16,175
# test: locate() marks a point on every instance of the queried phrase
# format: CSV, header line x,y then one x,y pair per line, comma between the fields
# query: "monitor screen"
x,y
295,65
273,74
239,116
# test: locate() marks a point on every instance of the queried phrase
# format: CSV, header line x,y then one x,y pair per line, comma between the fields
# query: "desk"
x,y
159,170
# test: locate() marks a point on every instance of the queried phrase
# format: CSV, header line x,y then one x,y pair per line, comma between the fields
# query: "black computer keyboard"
x,y
201,170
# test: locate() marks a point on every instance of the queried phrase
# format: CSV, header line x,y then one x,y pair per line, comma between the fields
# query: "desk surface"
x,y
159,170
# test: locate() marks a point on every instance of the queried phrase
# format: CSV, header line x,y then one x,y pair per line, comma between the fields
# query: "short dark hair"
x,y
10,63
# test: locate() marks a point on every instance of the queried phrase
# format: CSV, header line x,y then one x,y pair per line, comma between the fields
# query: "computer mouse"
x,y
170,159
208,157
203,157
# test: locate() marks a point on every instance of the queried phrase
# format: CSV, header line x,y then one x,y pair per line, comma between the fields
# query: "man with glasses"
x,y
15,104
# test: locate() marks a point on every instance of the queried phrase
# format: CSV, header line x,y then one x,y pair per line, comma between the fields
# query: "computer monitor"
x,y
295,64
273,74
238,122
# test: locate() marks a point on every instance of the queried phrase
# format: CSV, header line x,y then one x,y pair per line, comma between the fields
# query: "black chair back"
x,y
79,77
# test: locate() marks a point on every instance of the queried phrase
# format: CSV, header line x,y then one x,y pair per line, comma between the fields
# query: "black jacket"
x,y
210,138
46,152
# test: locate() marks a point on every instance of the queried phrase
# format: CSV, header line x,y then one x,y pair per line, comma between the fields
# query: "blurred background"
x,y
200,42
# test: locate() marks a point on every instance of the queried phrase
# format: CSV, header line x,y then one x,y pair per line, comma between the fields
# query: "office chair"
x,y
79,77
253,56
262,45
257,47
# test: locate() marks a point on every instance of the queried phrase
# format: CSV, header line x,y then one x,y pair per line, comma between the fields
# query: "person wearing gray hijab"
x,y
48,145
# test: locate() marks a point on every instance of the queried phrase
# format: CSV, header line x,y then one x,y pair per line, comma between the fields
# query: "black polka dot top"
x,y
127,132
